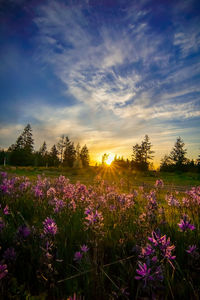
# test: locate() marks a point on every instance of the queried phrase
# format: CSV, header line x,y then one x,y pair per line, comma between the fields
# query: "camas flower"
x,y
172,201
6,210
185,224
78,256
163,243
84,248
144,273
3,271
159,183
50,226
192,249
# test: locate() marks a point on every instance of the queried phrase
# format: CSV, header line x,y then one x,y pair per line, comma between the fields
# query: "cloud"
x,y
122,76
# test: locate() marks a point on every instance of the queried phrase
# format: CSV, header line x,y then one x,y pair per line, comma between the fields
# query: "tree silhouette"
x,y
178,152
84,155
21,153
69,156
142,153
53,157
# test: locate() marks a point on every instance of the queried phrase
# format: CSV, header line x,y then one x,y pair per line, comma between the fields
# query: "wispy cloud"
x,y
121,77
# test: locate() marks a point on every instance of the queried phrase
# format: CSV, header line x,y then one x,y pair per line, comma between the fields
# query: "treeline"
x,y
175,161
142,156
65,154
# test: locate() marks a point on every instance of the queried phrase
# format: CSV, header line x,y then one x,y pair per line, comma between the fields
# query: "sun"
x,y
110,159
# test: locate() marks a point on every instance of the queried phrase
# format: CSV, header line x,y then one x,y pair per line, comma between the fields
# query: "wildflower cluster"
x,y
50,226
154,256
185,224
79,254
43,221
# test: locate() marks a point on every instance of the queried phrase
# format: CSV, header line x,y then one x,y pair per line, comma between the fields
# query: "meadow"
x,y
99,233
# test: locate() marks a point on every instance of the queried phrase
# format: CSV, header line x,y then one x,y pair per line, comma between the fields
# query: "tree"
x,y
42,155
21,153
84,155
53,157
28,139
177,154
146,149
142,153
165,163
2,156
78,161
69,156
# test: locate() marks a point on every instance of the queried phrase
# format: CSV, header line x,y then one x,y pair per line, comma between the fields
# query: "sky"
x,y
104,73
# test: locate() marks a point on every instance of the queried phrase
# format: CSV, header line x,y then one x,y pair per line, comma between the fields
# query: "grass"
x,y
125,214
87,176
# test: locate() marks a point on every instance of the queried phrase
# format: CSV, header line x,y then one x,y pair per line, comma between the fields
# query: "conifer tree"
x,y
178,152
21,153
53,157
43,155
69,153
84,155
142,153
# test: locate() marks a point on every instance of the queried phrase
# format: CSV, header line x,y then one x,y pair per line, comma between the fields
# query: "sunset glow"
x,y
110,159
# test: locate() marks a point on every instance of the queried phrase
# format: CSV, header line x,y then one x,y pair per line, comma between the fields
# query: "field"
x,y
99,233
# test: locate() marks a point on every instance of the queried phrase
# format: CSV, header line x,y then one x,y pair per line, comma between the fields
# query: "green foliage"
x,y
69,153
142,153
84,156
21,153
177,154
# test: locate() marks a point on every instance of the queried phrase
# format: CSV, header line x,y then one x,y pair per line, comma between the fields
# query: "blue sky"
x,y
105,73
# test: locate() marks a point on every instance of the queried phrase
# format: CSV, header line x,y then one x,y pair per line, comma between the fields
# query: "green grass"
x,y
88,175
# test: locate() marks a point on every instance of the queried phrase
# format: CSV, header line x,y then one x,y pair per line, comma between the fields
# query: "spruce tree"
x,y
69,153
142,153
84,155
53,157
21,153
178,152
43,155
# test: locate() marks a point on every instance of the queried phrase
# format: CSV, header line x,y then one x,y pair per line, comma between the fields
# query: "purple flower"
x,y
78,256
50,226
159,183
24,231
84,248
172,201
3,271
38,191
9,254
192,249
6,210
93,218
59,204
144,273
185,224
148,250
3,174
163,243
